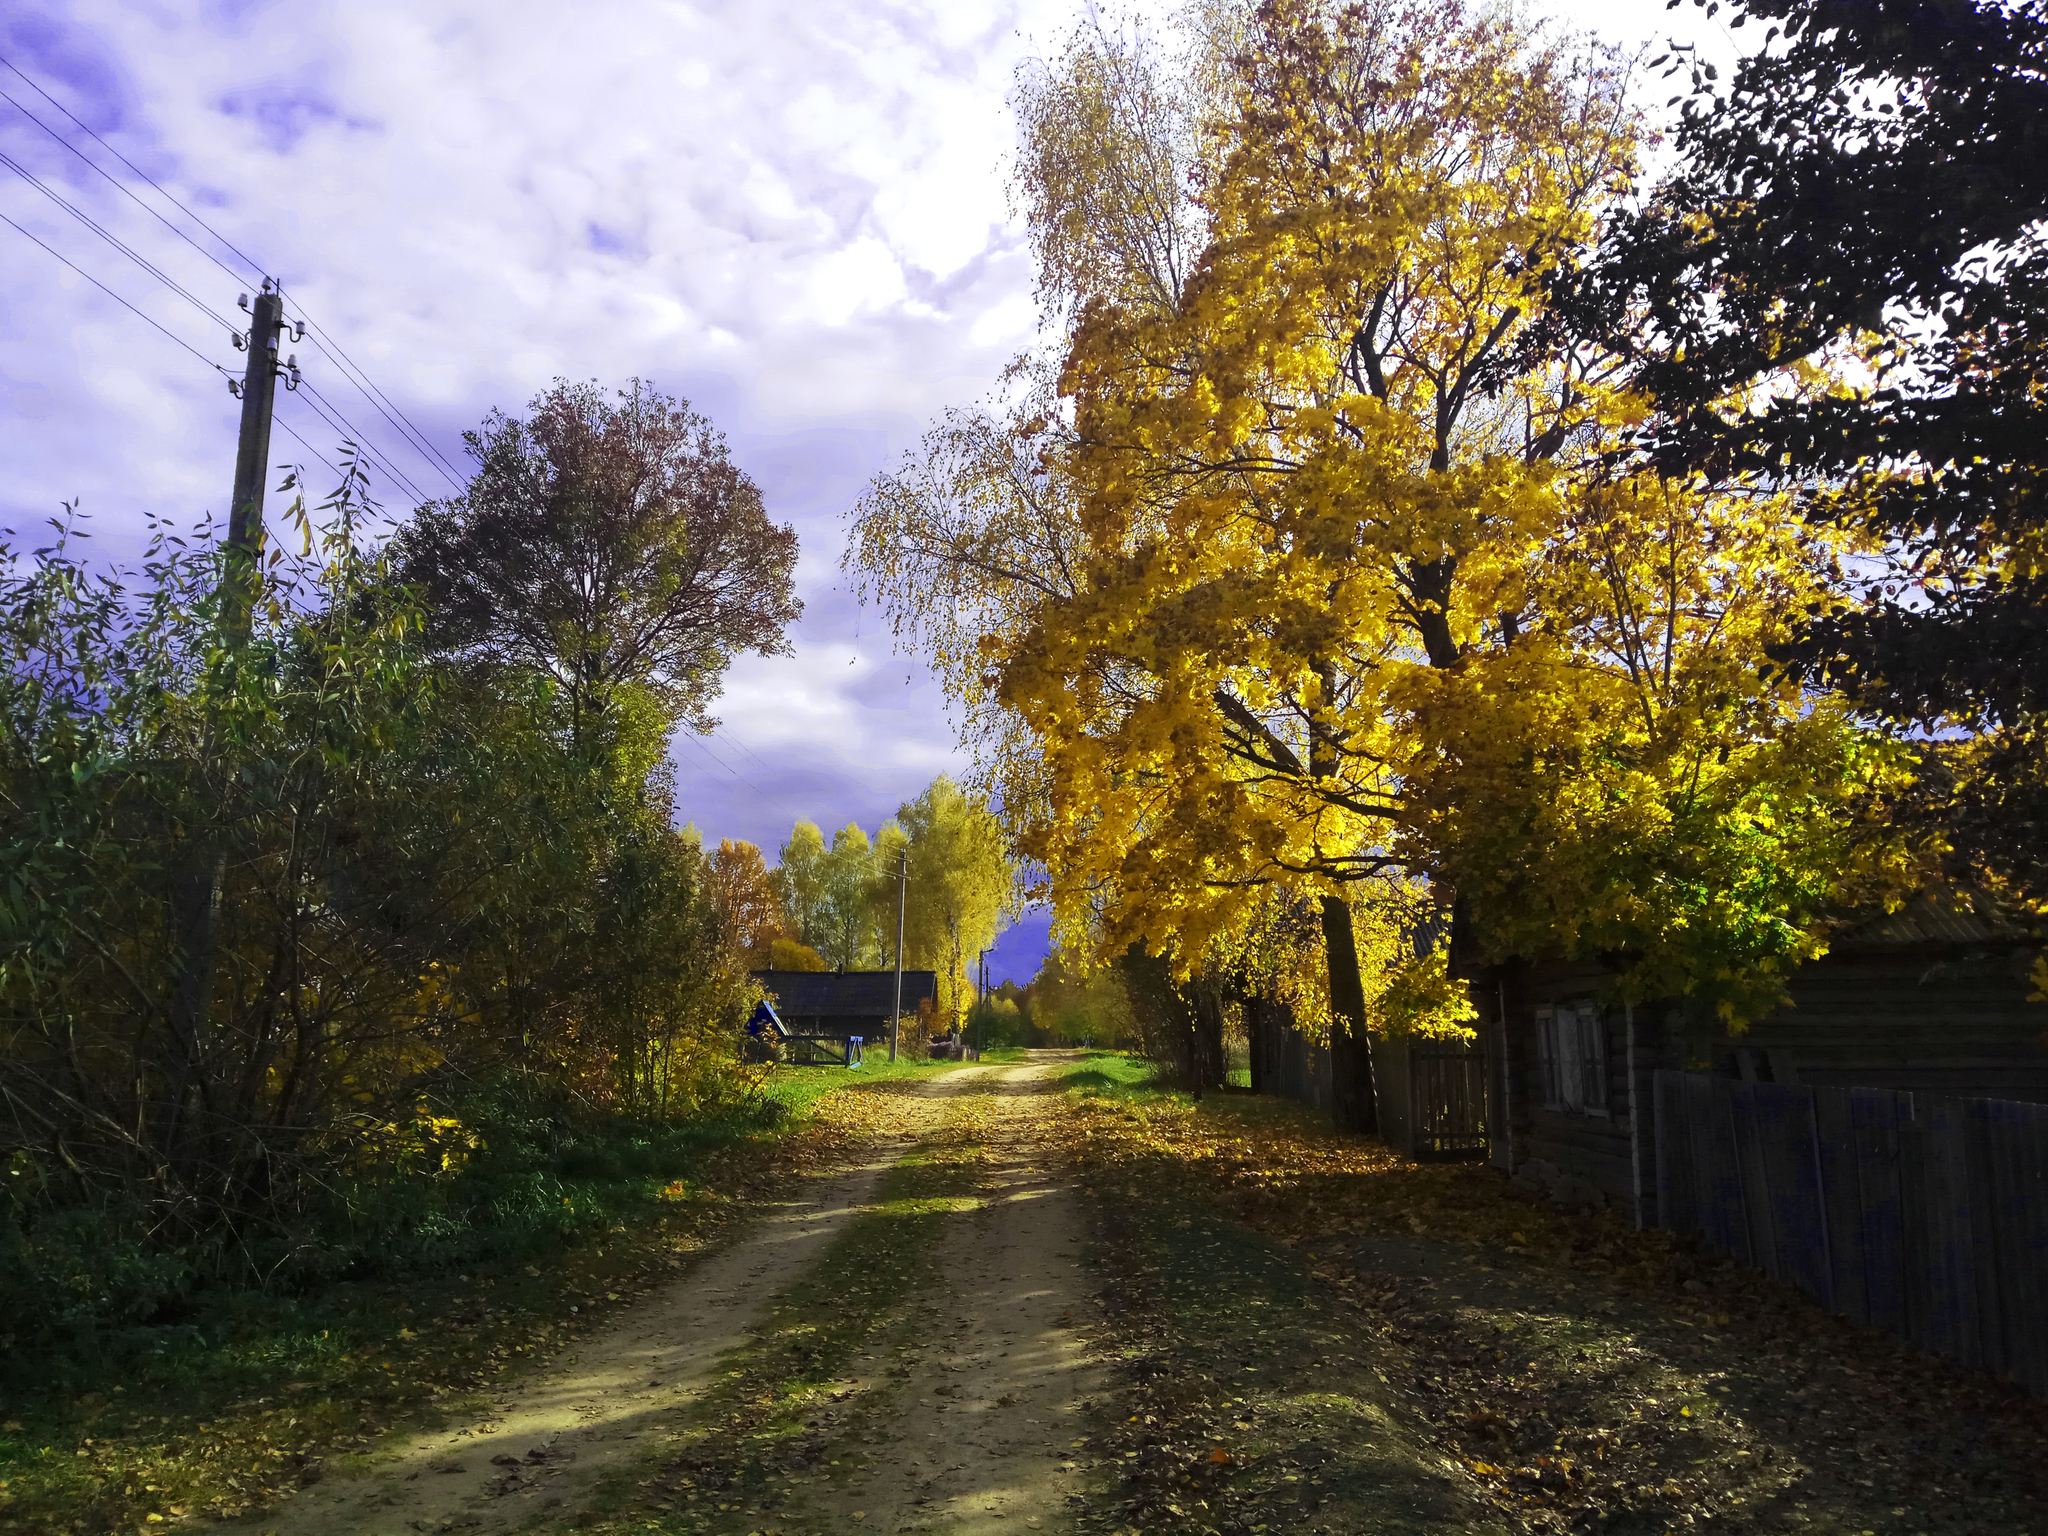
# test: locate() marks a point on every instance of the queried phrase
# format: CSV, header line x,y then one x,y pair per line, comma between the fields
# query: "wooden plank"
x,y
2030,1183
1677,1207
1874,1115
1918,1241
1790,1157
1975,1126
1835,1139
2012,1208
2030,1176
1721,1202
1952,1269
1741,1109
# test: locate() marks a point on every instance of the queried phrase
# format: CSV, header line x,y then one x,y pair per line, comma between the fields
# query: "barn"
x,y
1932,998
845,1004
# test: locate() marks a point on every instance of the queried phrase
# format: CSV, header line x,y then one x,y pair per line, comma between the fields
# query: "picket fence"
x,y
1923,1215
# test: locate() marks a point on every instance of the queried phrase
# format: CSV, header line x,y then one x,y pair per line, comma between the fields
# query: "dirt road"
x,y
979,1400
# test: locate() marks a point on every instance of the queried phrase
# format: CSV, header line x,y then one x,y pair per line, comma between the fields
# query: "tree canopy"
x,y
1840,291
1324,558
604,543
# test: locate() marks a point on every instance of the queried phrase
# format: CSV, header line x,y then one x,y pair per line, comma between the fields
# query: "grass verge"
x,y
266,1392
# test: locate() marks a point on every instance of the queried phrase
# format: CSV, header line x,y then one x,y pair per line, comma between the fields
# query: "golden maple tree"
x,y
1321,561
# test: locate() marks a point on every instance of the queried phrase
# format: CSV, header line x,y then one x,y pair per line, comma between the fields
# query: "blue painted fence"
x,y
1922,1215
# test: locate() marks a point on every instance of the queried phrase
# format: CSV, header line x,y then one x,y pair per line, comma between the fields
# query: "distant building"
x,y
844,1003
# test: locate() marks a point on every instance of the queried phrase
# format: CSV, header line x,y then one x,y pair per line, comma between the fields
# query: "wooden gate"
x,y
1432,1097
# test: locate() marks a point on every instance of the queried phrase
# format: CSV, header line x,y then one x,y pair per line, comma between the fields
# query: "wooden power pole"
x,y
198,879
252,461
902,883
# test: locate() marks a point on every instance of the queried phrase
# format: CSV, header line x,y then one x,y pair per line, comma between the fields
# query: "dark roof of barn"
x,y
1933,920
859,994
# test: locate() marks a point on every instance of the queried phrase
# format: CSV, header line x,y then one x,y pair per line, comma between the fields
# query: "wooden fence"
x,y
1923,1215
1284,1062
1432,1097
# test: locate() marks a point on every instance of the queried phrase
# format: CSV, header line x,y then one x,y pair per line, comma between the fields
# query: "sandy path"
x,y
545,1439
984,1426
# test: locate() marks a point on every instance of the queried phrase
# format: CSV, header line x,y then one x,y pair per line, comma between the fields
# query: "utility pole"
x,y
197,883
981,1033
252,456
902,883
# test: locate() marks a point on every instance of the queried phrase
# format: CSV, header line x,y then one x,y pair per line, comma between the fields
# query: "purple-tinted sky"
x,y
792,213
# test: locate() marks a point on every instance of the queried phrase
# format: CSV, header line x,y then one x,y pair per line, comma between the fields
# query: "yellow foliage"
x,y
1329,572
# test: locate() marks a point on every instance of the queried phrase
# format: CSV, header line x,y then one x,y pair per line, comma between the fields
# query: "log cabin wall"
x,y
1585,1155
1956,1024
1932,999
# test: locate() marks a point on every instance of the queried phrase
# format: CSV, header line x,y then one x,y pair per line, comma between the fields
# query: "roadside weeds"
x,y
374,1363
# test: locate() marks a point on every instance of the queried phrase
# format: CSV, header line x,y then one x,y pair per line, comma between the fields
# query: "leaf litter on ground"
x,y
1578,1375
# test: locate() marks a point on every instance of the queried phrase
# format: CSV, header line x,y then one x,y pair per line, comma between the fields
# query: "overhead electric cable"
x,y
728,735
141,261
253,265
350,368
365,452
103,288
368,388
116,183
377,455
157,326
331,466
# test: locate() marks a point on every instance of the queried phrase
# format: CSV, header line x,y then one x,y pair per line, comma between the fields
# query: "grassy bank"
x,y
254,1392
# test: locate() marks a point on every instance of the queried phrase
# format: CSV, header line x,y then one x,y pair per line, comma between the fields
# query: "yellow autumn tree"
x,y
1326,567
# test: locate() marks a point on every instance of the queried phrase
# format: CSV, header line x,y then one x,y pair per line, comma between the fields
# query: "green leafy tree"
x,y
800,882
604,543
1843,288
845,927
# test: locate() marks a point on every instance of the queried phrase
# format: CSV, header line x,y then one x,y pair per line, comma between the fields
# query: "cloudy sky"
x,y
792,213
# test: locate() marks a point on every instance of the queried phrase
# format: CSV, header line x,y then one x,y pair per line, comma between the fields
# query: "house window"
x,y
1571,1058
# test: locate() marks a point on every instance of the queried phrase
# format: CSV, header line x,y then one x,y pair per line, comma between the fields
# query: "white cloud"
x,y
793,212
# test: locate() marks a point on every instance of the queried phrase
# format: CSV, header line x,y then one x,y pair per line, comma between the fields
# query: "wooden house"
x,y
844,1004
1932,999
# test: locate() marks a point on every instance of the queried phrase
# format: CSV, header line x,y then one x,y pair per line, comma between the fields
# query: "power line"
x,y
728,735
103,288
141,261
376,455
157,326
409,432
253,265
331,467
347,428
115,182
368,386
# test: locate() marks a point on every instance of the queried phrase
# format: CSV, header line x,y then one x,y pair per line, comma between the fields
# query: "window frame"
x,y
1572,1059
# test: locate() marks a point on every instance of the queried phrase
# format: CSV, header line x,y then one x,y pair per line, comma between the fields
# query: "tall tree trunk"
x,y
1353,1106
1257,1032
1208,1001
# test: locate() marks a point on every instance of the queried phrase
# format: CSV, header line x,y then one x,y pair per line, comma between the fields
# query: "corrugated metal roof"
x,y
1934,919
859,994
